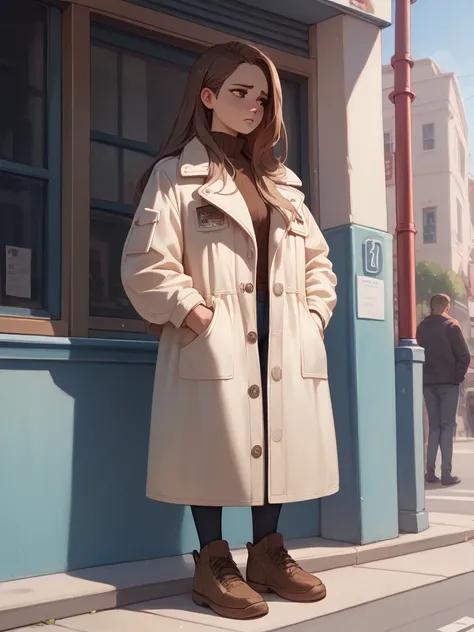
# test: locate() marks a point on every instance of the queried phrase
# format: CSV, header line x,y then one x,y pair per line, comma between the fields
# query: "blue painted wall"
x,y
74,422
362,377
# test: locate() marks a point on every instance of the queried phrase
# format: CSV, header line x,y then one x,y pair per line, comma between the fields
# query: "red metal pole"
x,y
402,98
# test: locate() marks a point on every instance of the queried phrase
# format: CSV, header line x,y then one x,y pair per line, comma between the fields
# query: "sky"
x,y
445,34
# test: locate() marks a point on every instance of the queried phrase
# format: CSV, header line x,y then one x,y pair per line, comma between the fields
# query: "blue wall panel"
x,y
74,423
362,377
73,455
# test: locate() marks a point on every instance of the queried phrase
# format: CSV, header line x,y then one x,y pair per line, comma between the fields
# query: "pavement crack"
x,y
403,572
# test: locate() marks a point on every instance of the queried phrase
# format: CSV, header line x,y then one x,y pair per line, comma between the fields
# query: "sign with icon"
x,y
373,257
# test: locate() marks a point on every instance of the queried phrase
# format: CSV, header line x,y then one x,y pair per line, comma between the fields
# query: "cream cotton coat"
x,y
193,243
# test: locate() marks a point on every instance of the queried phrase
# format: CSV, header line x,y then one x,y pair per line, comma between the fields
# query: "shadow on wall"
x,y
73,464
111,520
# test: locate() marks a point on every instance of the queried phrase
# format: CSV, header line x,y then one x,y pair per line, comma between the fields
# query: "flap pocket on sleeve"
x,y
142,231
299,227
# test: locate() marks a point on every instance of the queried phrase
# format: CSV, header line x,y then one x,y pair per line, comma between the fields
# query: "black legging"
x,y
208,520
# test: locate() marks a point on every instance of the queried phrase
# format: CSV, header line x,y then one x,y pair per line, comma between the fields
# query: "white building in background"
x,y
440,166
443,191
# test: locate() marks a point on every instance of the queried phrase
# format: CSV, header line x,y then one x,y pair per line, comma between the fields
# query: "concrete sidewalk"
x,y
358,575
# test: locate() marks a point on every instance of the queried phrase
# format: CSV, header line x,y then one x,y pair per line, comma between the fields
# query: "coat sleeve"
x,y
460,350
320,278
152,271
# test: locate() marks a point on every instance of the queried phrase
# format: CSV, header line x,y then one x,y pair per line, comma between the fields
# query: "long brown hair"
x,y
211,70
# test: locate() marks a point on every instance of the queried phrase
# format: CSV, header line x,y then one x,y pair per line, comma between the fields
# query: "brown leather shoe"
x,y
271,569
219,585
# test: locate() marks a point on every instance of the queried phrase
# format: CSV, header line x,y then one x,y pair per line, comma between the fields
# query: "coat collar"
x,y
194,162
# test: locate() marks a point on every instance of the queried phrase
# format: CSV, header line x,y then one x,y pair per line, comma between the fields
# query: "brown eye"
x,y
263,102
237,92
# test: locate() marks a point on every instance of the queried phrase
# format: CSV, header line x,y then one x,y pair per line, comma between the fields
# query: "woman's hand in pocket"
x,y
319,322
199,319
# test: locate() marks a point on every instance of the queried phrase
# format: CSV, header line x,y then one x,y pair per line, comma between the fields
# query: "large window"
x,y
136,90
429,225
68,172
30,119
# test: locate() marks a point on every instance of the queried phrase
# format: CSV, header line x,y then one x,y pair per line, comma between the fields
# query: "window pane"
x,y
105,172
151,96
134,165
104,90
135,97
429,225
291,117
459,227
107,296
428,130
22,204
22,78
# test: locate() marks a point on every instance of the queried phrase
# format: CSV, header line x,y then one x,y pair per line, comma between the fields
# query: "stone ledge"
x,y
28,601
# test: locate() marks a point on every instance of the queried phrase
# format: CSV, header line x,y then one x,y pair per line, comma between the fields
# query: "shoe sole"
x,y
254,611
450,484
315,594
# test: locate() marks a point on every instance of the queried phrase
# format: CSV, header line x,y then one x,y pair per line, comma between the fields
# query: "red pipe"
x,y
402,98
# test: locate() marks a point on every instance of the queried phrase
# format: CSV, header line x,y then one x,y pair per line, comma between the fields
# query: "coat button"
x,y
278,289
276,373
254,391
252,337
257,451
277,434
249,288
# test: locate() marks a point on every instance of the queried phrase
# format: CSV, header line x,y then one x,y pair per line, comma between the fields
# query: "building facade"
x,y
440,166
441,183
93,87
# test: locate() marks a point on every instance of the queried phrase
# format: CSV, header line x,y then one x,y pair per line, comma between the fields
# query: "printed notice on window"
x,y
370,298
18,272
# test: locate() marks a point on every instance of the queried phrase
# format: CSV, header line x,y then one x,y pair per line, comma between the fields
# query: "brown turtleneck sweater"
x,y
245,181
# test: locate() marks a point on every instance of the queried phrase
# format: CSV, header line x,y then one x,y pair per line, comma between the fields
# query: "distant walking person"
x,y
447,359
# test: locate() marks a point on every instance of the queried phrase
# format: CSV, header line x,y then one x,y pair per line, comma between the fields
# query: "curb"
x,y
52,597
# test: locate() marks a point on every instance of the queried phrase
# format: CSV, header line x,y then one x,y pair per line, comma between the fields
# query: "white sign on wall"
x,y
370,298
380,9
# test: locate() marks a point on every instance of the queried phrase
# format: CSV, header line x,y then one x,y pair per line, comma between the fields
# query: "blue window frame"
x,y
30,159
136,90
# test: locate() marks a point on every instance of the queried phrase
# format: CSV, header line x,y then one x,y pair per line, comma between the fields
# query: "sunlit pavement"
x,y
441,597
424,592
460,498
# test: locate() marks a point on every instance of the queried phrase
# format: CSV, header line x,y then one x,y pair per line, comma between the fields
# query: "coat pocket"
x,y
142,231
313,350
210,356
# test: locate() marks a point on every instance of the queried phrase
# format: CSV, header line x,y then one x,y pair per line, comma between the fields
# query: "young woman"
x,y
225,258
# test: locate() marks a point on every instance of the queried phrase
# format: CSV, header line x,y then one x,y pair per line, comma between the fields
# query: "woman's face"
x,y
240,105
